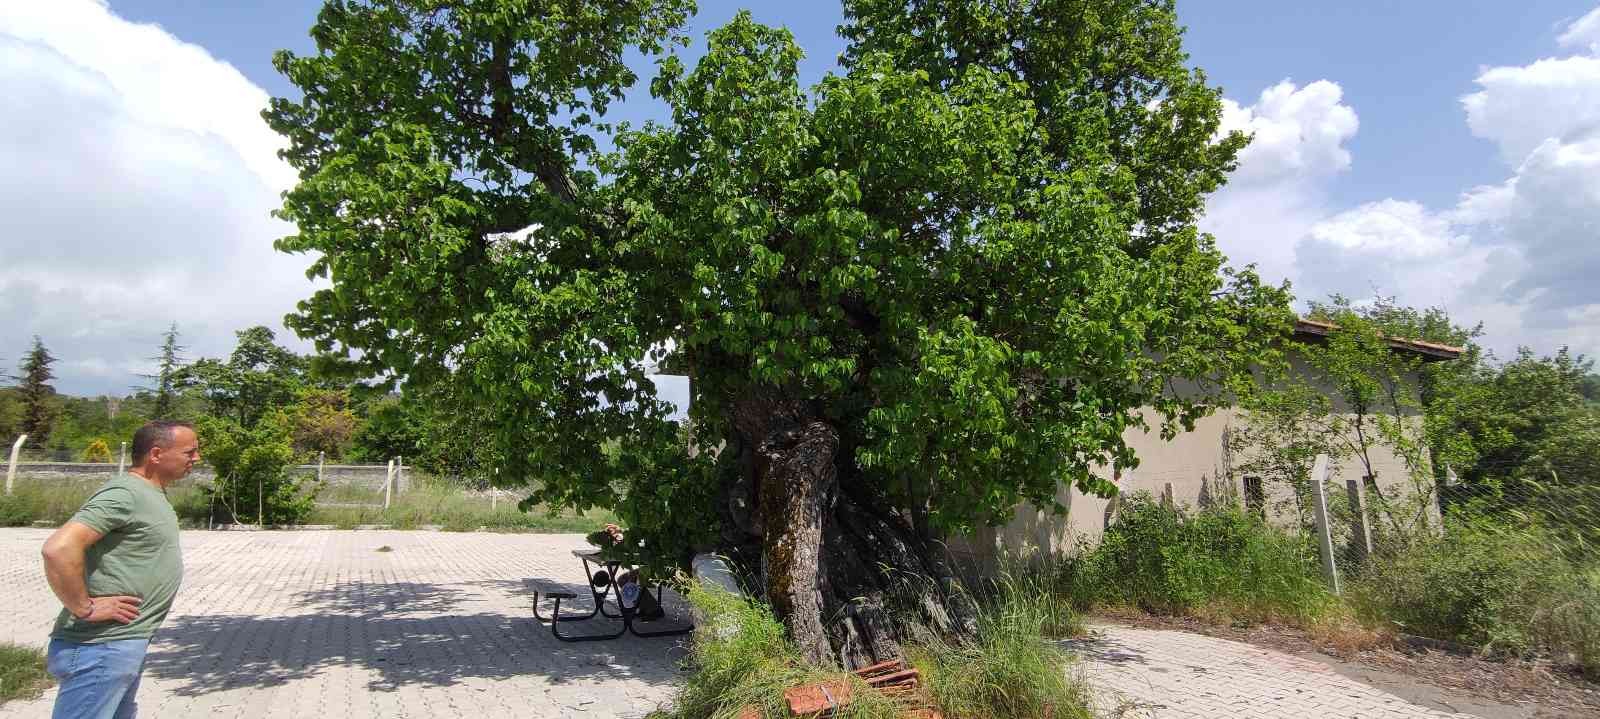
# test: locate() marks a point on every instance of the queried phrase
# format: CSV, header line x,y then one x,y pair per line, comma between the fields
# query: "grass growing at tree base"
x,y
741,658
22,672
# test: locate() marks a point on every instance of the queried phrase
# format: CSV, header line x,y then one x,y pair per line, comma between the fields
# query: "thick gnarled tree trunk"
x,y
851,579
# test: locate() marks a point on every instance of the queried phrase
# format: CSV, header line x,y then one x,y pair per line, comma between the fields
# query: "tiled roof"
x,y
1430,351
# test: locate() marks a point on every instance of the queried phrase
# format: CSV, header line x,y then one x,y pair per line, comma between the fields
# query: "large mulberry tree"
x,y
940,283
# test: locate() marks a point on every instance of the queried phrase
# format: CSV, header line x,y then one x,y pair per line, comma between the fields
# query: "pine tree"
x,y
38,409
166,379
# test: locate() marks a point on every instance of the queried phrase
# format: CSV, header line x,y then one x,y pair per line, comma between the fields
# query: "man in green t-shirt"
x,y
116,567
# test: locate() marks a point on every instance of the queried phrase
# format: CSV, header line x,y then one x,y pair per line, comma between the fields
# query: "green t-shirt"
x,y
138,556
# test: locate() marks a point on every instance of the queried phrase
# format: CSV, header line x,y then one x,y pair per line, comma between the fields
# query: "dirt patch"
x,y
1487,687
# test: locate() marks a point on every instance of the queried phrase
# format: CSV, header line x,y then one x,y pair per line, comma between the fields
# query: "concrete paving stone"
x,y
322,624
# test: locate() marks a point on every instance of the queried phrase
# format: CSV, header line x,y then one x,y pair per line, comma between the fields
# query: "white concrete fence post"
x,y
388,484
1361,534
400,473
322,458
11,469
122,459
1319,480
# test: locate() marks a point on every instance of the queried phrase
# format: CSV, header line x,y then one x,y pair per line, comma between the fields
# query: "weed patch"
x,y
22,672
1221,562
1503,589
742,659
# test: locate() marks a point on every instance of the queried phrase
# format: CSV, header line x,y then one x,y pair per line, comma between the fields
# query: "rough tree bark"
x,y
849,577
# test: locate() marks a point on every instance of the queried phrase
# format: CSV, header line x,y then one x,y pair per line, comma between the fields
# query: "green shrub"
x,y
1506,589
22,672
96,451
1223,561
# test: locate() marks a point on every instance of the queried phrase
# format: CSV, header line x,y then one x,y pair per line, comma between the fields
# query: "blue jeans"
x,y
98,681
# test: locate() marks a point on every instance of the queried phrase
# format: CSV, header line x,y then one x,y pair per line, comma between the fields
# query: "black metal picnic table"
x,y
602,575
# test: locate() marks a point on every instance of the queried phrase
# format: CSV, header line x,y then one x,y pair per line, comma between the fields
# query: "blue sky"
x,y
1403,65
1370,171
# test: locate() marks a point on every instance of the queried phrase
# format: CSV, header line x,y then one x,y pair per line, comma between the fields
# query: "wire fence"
x,y
1544,516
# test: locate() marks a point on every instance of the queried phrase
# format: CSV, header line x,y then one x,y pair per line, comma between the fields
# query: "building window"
x,y
1255,497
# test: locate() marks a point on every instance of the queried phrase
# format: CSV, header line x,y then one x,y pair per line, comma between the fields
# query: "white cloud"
x,y
1400,248
1519,108
1298,132
1520,255
1276,195
1584,32
136,192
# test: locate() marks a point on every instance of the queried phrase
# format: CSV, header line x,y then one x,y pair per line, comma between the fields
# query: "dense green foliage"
x,y
1221,562
972,253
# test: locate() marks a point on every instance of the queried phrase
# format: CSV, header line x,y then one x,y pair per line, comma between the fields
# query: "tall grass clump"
x,y
741,658
1009,669
1485,583
56,499
1215,563
22,672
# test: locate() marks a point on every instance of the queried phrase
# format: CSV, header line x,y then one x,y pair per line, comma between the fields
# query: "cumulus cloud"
x,y
137,192
1297,132
1520,255
1584,32
1519,108
1276,195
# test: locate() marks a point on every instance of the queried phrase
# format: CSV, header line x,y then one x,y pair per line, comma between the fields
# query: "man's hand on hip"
x,y
121,609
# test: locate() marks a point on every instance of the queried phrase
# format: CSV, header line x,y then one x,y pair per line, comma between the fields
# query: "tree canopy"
x,y
939,283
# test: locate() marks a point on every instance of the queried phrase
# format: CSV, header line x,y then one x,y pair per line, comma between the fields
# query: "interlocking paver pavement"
x,y
1160,674
322,624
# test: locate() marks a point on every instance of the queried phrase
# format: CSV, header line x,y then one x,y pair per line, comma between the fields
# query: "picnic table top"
x,y
586,553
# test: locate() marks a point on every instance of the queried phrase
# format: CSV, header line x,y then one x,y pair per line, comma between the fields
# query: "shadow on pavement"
x,y
406,633
1100,648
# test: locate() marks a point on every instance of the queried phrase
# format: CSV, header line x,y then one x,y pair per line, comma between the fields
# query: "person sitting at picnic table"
x,y
648,607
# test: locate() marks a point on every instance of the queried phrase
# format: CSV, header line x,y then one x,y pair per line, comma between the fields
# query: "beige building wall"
x,y
1195,463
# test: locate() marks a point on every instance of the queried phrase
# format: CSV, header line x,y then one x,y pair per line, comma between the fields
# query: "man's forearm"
x,y
63,569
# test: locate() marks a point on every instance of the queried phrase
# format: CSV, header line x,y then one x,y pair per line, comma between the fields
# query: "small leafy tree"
x,y
320,421
257,377
1350,394
254,482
